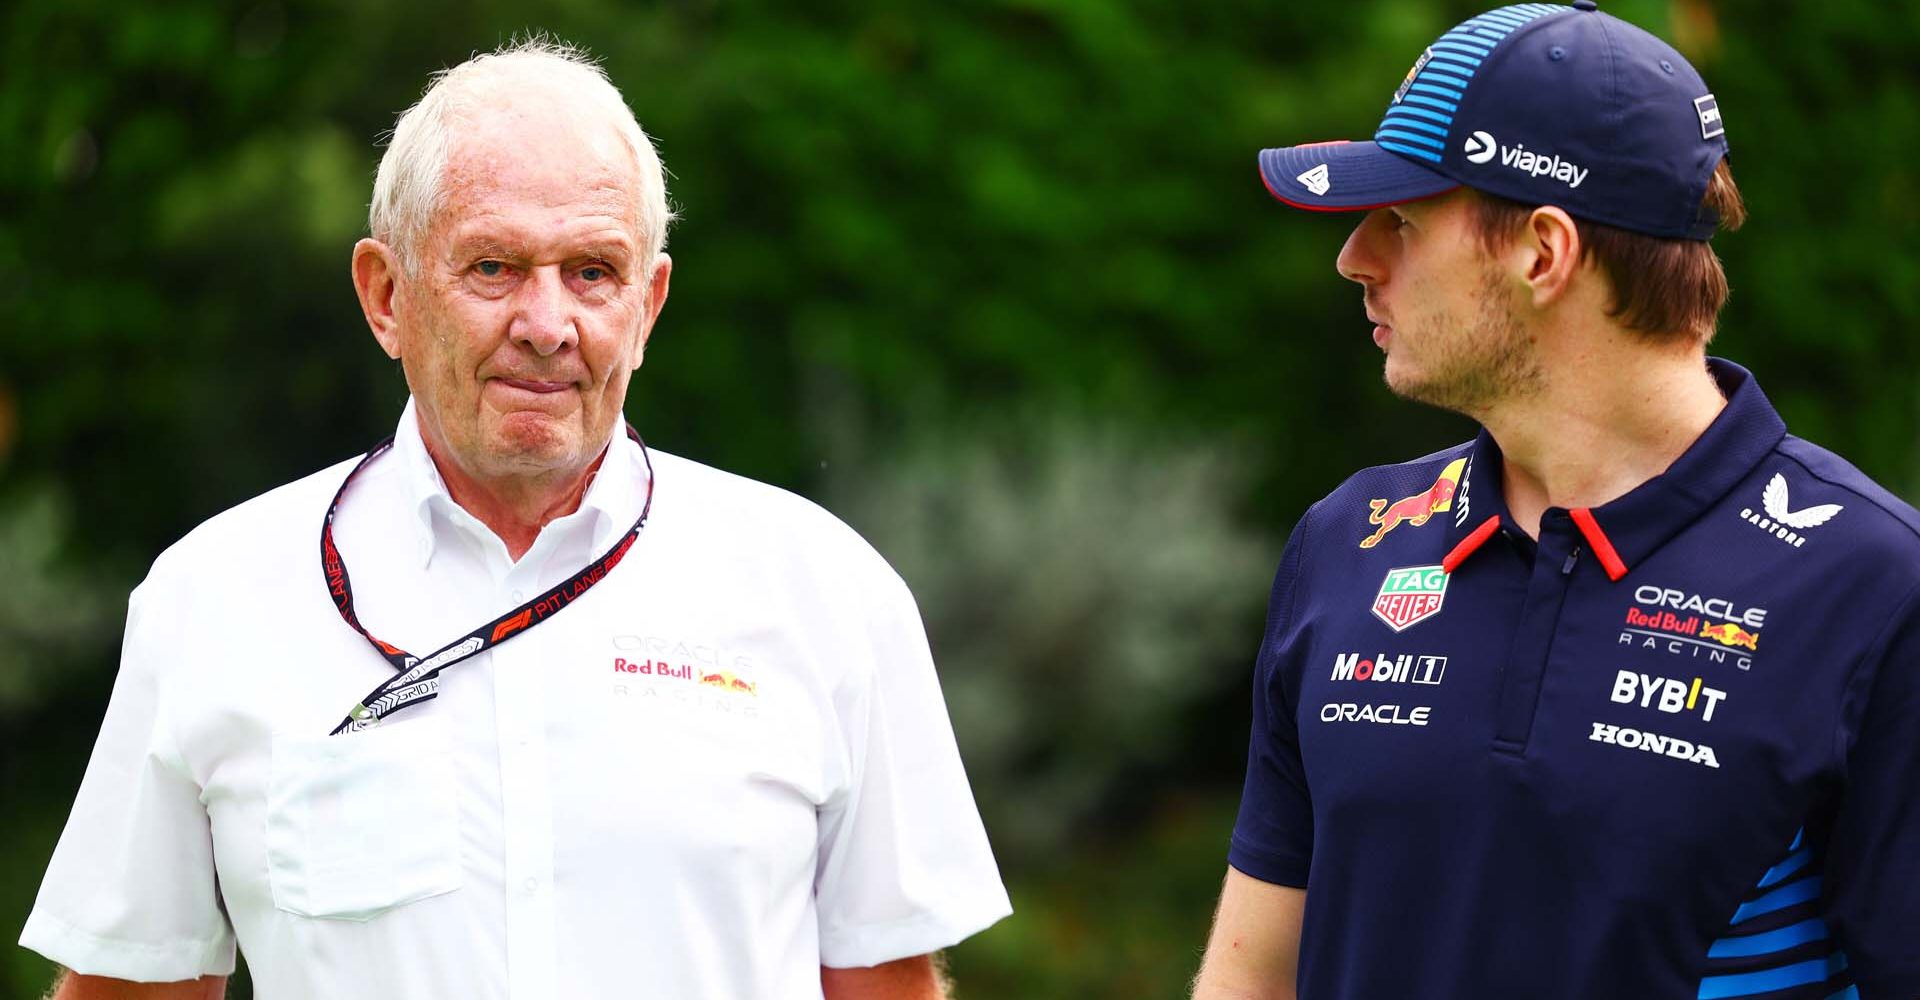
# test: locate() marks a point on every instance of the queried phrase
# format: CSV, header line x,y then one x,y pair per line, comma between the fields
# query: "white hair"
x,y
407,191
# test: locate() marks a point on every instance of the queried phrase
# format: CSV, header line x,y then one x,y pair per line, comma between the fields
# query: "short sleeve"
x,y
1273,836
904,865
1874,852
131,892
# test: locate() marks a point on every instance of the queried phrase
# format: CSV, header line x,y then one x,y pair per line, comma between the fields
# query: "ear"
x,y
658,278
376,272
1548,253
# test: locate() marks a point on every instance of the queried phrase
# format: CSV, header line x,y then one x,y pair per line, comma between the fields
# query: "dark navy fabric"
x,y
1525,779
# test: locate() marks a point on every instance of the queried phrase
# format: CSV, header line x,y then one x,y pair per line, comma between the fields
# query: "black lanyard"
x,y
416,680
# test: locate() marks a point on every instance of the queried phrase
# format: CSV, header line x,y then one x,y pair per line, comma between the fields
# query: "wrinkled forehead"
x,y
533,152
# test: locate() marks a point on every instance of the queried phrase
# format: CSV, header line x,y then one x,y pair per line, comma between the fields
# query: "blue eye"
x,y
490,268
593,272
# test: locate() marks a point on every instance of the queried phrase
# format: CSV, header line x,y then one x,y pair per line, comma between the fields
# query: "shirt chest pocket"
x,y
360,823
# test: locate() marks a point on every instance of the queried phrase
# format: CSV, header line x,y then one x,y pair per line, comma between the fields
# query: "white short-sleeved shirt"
x,y
726,765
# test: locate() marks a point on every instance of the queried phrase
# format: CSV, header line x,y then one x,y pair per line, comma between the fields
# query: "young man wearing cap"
x,y
1622,698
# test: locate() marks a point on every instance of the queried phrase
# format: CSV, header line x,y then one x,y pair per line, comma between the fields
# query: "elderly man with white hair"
x,y
404,764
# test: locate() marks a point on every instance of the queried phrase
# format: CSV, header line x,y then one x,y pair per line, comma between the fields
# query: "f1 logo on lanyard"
x,y
416,680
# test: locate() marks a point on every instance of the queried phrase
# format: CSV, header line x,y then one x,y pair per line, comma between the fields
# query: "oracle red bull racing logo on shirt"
x,y
1684,624
725,680
1410,595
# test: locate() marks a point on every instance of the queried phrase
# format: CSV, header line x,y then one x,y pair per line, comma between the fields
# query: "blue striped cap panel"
x,y
1778,946
1419,121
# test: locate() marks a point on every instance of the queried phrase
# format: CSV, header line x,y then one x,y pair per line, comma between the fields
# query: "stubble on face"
x,y
1472,364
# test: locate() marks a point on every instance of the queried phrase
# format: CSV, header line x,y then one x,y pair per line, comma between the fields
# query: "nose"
x,y
543,318
1360,259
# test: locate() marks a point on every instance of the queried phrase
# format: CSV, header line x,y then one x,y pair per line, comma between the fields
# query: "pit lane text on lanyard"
x,y
417,680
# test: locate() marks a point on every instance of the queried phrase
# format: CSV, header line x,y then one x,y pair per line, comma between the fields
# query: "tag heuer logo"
x,y
1410,595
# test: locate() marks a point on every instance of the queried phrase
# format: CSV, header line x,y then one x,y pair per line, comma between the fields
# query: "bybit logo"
x,y
1666,694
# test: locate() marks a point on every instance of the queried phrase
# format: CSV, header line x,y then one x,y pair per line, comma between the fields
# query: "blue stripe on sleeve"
x,y
1790,864
1785,977
1790,936
1779,899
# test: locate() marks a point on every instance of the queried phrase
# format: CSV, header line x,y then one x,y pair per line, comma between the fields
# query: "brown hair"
x,y
1666,289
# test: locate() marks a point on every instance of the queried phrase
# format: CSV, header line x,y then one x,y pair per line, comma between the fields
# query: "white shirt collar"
x,y
612,501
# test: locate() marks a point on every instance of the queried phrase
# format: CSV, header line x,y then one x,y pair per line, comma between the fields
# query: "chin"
x,y
537,441
1402,378
1409,382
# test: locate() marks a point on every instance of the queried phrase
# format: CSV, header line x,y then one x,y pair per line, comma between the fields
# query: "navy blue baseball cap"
x,y
1540,103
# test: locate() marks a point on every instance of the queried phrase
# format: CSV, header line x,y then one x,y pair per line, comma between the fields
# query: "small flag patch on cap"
x,y
1710,124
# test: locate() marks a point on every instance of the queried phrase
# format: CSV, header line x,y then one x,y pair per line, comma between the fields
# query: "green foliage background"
x,y
994,279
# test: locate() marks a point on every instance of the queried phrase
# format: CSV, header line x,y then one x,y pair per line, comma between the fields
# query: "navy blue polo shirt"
x,y
1670,750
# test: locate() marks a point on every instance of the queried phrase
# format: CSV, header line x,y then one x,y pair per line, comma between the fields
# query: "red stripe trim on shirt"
x,y
1602,546
1470,543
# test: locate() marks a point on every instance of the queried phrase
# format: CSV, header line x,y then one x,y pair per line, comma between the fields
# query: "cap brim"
x,y
1347,177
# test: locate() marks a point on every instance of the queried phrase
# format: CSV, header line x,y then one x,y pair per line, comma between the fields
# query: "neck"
x,y
1603,423
515,507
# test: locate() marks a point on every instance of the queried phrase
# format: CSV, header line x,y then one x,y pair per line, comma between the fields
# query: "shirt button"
x,y
532,886
518,596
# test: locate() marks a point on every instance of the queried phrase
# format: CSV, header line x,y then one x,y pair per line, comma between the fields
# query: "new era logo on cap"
x,y
1316,180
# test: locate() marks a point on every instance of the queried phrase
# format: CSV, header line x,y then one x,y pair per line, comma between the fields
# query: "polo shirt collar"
x,y
1627,530
612,500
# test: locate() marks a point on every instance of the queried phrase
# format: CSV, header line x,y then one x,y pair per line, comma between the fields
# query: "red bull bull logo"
x,y
1417,509
1730,635
1695,626
725,680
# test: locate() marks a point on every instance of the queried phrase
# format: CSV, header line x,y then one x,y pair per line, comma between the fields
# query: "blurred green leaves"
x,y
56,614
303,184
1082,586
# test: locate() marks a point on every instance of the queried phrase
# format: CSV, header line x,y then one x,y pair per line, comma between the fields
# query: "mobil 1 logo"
x,y
1405,668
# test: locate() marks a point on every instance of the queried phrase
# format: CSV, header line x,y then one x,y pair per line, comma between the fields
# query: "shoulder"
x,y
255,537
1876,502
1439,477
765,521
1359,514
1814,489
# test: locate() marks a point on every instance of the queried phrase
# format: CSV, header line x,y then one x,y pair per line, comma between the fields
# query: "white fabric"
x,y
592,809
